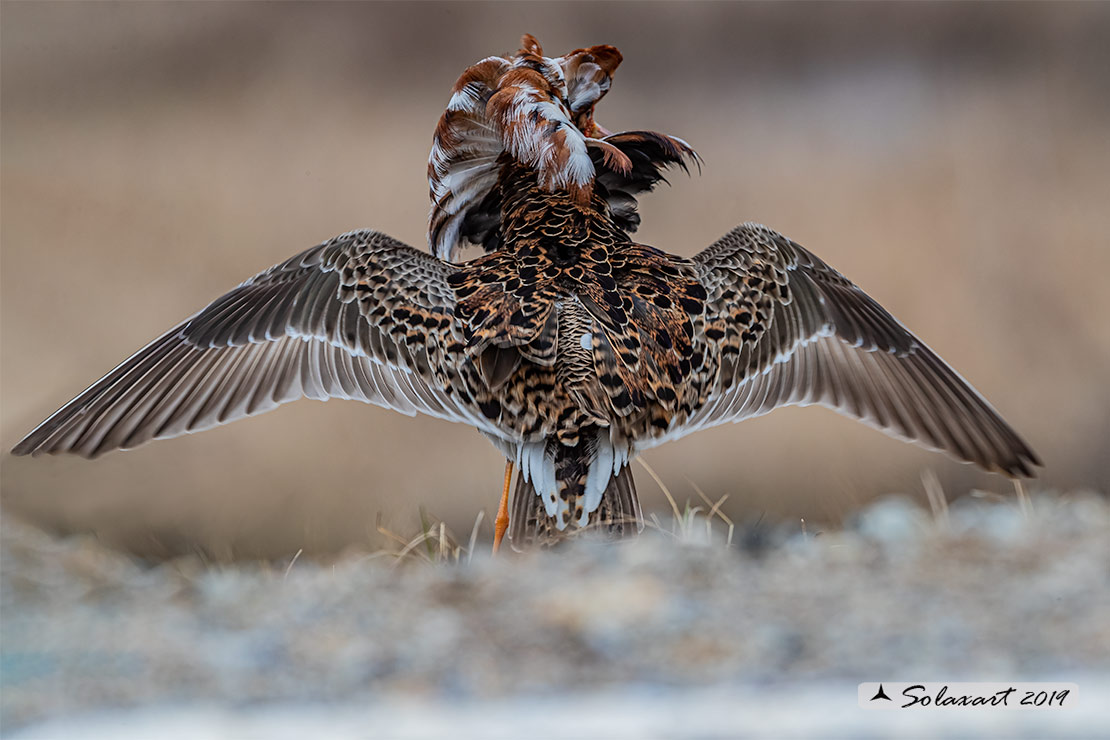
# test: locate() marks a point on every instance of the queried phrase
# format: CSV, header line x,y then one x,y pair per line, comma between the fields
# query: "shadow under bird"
x,y
570,346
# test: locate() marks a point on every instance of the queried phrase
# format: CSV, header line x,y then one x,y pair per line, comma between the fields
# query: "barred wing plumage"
x,y
790,330
361,317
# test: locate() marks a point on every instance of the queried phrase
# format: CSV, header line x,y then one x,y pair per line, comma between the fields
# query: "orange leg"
x,y
501,523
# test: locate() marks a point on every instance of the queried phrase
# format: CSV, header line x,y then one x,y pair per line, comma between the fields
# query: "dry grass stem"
x,y
1023,499
291,562
474,535
934,492
662,486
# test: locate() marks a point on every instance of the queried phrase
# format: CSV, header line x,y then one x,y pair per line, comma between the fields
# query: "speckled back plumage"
x,y
575,329
571,347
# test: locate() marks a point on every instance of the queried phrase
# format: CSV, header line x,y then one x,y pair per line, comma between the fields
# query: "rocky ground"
x,y
661,637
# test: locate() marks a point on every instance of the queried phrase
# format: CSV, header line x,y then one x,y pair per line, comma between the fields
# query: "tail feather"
x,y
618,515
620,505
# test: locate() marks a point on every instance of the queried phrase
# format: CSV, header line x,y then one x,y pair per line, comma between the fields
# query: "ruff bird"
x,y
570,346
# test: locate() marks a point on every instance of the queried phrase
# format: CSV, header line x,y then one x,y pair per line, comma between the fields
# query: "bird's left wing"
x,y
787,329
361,317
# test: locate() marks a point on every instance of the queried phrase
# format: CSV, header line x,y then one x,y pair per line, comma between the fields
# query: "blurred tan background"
x,y
952,159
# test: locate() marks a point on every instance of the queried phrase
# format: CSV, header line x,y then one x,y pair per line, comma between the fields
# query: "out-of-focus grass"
x,y
898,590
691,523
704,523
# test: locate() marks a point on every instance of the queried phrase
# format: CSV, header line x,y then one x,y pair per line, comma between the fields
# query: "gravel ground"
x,y
660,637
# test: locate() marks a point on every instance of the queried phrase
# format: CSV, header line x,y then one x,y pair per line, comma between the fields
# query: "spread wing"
x,y
790,330
361,317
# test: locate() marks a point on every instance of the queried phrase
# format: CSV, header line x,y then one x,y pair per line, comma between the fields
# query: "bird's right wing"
x,y
361,317
790,330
